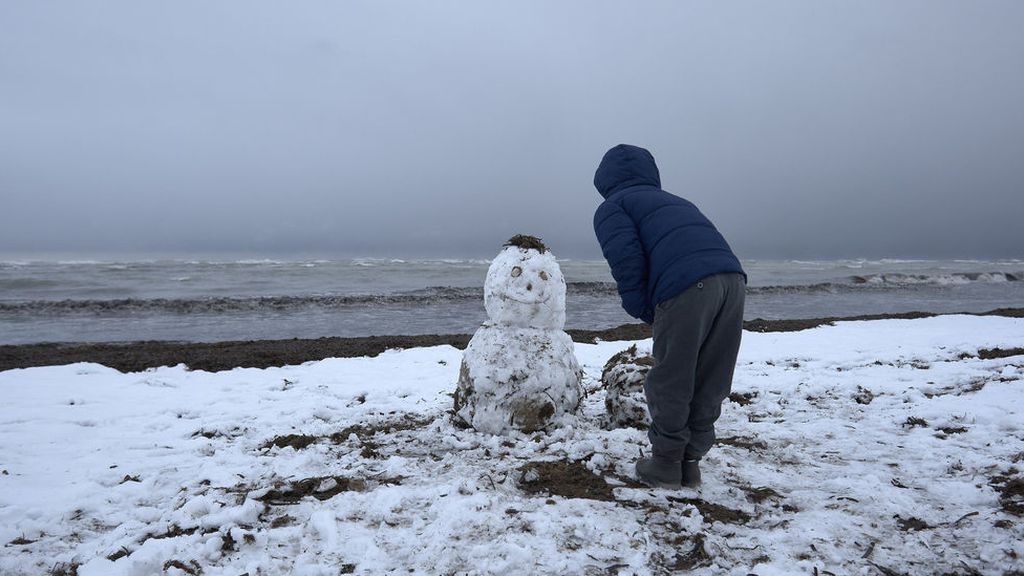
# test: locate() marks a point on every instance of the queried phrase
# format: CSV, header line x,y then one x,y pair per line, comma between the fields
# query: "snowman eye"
x,y
543,275
516,271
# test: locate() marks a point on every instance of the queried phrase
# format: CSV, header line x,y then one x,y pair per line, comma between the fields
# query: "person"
x,y
674,270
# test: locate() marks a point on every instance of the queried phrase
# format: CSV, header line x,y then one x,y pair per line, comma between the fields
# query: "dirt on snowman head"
x,y
527,242
519,371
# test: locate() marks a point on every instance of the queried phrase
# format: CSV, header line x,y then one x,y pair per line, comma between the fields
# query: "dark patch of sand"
x,y
570,479
760,325
121,553
760,494
282,521
62,569
741,442
192,568
994,353
212,356
321,488
714,512
914,422
1011,493
365,433
743,399
216,356
911,524
696,557
296,441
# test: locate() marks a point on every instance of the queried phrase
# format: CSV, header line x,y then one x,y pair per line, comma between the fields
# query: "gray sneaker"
x,y
659,472
690,473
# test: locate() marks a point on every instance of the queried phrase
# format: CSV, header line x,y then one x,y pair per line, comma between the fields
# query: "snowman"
x,y
519,371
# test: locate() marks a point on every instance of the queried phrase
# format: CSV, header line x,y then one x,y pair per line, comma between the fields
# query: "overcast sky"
x,y
803,129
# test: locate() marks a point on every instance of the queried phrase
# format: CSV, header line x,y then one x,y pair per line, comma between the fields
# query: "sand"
x,y
216,356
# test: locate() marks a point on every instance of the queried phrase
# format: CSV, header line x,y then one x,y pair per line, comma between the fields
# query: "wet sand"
x,y
215,356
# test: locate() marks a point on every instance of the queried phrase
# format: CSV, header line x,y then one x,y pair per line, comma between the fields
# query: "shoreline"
x,y
217,356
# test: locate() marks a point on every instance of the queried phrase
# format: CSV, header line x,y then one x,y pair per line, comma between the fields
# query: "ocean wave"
x,y
583,288
893,280
26,283
443,262
860,263
217,305
257,262
896,279
220,305
440,295
821,287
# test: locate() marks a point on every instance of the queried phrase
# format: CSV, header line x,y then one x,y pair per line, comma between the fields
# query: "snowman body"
x,y
519,371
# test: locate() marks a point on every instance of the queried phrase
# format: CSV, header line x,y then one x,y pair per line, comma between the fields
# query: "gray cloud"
x,y
802,128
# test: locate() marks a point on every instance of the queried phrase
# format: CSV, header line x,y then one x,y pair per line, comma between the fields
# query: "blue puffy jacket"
x,y
657,244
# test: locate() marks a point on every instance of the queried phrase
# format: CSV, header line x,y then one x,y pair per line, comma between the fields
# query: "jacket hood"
x,y
624,166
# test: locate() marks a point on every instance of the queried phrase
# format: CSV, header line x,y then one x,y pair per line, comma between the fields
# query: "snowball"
x,y
517,378
623,380
525,287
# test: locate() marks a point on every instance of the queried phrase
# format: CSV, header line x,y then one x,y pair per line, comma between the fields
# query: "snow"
x,y
525,288
623,383
518,379
859,448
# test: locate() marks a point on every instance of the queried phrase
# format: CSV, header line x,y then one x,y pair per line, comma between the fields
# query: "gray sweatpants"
x,y
696,340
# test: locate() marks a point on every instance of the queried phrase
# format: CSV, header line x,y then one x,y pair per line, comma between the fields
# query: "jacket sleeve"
x,y
620,244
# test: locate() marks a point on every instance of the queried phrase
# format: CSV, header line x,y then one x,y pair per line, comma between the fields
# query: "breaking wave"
x,y
218,305
893,280
443,295
26,283
820,287
953,278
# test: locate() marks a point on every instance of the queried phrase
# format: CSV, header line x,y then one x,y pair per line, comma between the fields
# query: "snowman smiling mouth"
x,y
537,306
543,301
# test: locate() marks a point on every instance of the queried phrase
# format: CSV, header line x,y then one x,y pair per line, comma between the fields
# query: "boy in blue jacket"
x,y
674,270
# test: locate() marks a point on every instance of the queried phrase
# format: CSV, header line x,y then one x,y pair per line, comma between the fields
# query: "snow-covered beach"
x,y
879,447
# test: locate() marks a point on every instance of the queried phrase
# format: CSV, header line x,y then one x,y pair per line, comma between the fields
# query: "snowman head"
x,y
525,286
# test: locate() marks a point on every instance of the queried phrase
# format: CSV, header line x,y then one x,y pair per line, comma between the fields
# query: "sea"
x,y
216,299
